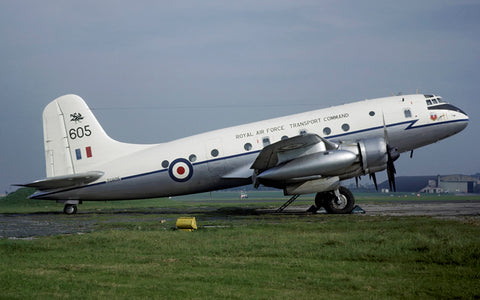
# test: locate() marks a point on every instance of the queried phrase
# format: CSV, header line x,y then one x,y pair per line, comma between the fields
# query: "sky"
x,y
155,71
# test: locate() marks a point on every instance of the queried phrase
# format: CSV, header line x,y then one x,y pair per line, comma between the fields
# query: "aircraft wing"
x,y
291,148
64,181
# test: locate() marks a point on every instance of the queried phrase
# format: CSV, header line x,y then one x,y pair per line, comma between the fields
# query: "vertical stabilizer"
x,y
74,140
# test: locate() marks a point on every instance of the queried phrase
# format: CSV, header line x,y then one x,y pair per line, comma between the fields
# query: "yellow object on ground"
x,y
186,223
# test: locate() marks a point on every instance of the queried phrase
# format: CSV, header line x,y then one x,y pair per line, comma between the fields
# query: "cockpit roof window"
x,y
434,100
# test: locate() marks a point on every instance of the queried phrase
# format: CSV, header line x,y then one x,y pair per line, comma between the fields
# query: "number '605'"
x,y
79,132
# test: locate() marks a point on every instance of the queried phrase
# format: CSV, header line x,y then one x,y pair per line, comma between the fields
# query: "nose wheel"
x,y
70,209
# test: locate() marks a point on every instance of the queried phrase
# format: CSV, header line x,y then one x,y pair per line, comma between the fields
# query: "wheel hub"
x,y
340,202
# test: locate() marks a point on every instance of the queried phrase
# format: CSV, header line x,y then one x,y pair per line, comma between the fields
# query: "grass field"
x,y
245,255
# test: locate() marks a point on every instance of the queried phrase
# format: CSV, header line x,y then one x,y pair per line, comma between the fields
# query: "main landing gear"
x,y
340,201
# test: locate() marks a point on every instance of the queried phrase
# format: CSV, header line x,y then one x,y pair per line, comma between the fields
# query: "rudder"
x,y
74,140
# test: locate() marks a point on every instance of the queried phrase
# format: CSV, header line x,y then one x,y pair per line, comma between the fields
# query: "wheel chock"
x,y
357,210
186,224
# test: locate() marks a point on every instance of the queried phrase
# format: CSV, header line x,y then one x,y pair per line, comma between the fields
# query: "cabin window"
x,y
284,137
214,152
165,163
407,112
327,131
247,147
372,113
303,131
434,101
266,141
429,102
345,127
192,158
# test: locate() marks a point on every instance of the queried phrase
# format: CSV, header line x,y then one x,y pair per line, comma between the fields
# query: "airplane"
x,y
304,153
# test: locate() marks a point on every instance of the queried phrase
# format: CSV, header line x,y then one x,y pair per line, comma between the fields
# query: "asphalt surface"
x,y
26,226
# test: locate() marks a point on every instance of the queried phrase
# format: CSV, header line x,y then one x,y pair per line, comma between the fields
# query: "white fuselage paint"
x,y
141,175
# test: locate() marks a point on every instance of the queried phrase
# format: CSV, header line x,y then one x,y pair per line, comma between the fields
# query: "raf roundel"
x,y
180,170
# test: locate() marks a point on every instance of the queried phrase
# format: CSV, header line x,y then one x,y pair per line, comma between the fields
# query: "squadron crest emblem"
x,y
76,117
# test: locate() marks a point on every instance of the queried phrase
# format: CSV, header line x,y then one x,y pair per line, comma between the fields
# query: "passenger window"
x,y
327,131
192,158
408,113
372,113
165,163
214,152
345,127
247,147
303,131
266,141
284,137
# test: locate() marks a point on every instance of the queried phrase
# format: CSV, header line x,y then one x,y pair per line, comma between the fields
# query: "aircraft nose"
x,y
460,117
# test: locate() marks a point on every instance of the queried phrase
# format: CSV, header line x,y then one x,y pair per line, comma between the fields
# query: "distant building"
x,y
452,184
458,183
432,188
436,184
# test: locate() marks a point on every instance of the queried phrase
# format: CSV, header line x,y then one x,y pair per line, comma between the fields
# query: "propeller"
x,y
374,178
392,155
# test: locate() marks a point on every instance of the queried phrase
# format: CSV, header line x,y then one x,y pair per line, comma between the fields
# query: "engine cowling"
x,y
374,153
349,160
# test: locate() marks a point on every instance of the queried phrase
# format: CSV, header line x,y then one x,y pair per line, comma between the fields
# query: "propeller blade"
x,y
356,181
374,178
392,155
391,176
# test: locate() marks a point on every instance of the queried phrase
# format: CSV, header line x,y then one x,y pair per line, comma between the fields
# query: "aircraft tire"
x,y
344,205
70,209
320,199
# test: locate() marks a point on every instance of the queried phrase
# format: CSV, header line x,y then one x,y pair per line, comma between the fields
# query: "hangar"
x,y
456,183
452,184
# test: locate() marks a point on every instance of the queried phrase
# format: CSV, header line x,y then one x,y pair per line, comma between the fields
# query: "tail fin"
x,y
74,140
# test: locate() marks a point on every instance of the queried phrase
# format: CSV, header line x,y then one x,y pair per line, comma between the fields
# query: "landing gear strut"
x,y
70,209
340,201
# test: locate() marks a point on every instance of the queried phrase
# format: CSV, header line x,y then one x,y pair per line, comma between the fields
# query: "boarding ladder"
x,y
281,208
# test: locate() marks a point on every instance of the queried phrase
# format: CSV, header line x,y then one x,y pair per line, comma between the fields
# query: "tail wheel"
x,y
70,209
343,204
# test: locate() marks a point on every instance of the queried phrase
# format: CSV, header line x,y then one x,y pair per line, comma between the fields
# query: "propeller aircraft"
x,y
311,152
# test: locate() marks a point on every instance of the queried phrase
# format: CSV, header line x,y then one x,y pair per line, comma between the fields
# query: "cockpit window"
x,y
434,100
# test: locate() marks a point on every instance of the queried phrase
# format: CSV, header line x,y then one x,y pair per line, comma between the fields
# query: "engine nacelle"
x,y
374,153
372,157
315,172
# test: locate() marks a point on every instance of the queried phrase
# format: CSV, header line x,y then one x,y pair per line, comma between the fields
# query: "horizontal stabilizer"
x,y
64,181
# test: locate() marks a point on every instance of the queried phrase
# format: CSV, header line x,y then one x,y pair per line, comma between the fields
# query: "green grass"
x,y
236,254
260,257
